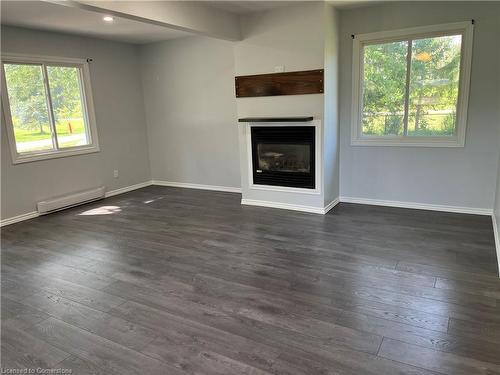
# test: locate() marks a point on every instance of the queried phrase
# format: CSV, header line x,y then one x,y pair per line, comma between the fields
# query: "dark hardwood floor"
x,y
177,281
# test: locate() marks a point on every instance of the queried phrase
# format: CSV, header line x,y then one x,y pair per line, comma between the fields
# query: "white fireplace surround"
x,y
300,199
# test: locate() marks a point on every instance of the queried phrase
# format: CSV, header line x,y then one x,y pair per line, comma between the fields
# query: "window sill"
x,y
27,158
398,142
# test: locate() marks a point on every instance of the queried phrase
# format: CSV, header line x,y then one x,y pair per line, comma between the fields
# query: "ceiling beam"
x,y
190,16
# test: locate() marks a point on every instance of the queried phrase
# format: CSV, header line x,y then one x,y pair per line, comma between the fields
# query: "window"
x,y
48,107
410,87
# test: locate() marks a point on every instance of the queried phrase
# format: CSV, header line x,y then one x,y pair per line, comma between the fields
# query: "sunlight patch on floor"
x,y
103,210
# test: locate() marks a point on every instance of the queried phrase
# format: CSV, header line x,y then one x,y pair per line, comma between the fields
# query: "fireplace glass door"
x,y
283,156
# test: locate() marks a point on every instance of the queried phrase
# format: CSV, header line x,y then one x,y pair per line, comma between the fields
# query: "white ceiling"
x,y
81,20
243,7
53,17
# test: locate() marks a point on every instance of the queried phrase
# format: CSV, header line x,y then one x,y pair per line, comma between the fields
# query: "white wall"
x,y
119,110
294,37
331,149
291,36
463,177
496,207
191,111
189,96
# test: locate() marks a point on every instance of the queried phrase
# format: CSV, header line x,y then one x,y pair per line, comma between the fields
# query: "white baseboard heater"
x,y
70,200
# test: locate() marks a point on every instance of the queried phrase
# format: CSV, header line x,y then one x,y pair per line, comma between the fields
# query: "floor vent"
x,y
66,201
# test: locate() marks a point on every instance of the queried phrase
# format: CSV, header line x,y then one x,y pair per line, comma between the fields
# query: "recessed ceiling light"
x,y
108,19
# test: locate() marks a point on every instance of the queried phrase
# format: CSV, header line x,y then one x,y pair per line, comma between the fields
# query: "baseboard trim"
x,y
497,240
196,186
126,189
18,218
419,206
288,206
330,205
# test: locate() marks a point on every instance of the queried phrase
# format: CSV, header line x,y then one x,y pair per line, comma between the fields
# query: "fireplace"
x,y
284,156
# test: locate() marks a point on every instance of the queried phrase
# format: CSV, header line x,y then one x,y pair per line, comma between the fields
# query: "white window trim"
x,y
458,140
88,110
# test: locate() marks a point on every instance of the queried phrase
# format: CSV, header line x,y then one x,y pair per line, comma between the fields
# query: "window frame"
x,y
466,29
87,108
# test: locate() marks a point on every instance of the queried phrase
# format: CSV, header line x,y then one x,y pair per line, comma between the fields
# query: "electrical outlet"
x,y
115,173
279,68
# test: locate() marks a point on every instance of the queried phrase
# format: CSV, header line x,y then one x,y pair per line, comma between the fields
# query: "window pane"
x,y
384,81
64,83
434,76
28,107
